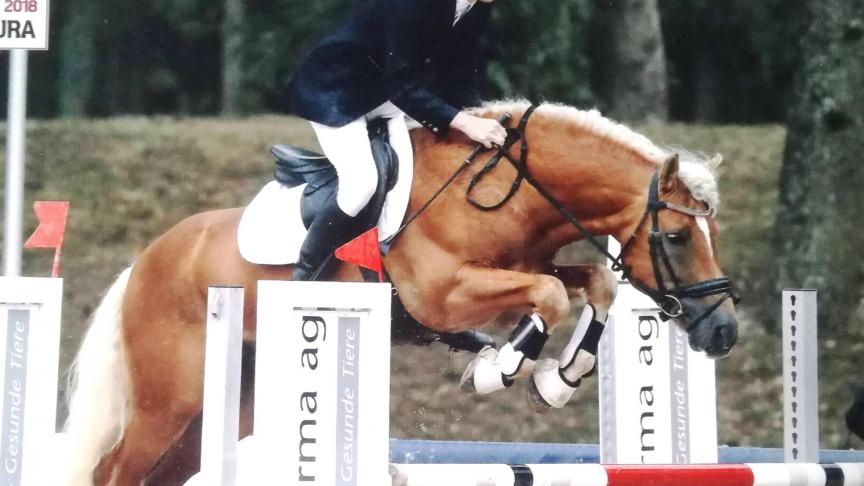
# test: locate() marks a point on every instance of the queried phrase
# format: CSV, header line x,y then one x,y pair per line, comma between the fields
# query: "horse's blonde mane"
x,y
693,171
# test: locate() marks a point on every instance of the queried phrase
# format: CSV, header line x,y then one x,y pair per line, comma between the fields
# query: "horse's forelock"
x,y
695,172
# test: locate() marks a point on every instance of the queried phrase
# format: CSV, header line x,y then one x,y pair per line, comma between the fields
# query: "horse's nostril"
x,y
724,337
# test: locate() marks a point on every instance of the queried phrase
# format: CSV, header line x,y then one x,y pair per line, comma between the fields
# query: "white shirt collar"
x,y
462,7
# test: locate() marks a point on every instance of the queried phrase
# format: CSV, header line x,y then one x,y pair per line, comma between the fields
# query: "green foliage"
x,y
541,51
729,61
278,34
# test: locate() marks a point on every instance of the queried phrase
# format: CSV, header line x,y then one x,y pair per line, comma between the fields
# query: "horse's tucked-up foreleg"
x,y
555,381
494,370
487,293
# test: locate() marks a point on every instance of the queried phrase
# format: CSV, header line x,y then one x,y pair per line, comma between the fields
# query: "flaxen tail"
x,y
98,388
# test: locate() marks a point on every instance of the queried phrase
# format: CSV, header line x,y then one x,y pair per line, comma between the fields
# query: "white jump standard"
x,y
293,445
30,345
328,422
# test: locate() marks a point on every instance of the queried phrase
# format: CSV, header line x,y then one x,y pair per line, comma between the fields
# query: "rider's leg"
x,y
397,199
349,151
336,223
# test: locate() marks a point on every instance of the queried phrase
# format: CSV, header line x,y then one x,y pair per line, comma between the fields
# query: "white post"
x,y
800,376
222,366
322,384
15,158
657,396
30,450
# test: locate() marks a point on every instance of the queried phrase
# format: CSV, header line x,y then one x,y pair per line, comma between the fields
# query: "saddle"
x,y
296,166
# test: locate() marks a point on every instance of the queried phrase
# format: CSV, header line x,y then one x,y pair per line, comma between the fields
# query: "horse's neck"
x,y
603,184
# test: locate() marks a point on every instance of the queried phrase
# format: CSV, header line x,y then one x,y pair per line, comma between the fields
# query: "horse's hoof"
x,y
535,400
490,375
548,385
467,381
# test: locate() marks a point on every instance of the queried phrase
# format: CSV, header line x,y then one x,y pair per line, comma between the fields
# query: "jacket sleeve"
x,y
407,24
460,79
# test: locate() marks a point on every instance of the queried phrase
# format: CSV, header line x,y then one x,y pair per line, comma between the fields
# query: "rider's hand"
x,y
481,130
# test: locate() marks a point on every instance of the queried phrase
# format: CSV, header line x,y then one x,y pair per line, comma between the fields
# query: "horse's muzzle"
x,y
715,333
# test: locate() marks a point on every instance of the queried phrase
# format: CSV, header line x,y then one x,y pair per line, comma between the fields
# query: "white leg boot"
x,y
556,381
494,370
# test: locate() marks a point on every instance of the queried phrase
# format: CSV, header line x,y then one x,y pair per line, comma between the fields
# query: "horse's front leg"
x,y
480,294
554,381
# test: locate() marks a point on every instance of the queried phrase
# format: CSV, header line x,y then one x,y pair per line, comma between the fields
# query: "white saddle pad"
x,y
271,230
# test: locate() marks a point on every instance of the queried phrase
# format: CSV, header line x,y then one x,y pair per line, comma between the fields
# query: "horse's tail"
x,y
98,388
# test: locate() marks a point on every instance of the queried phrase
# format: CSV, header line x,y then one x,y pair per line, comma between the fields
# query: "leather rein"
x,y
668,295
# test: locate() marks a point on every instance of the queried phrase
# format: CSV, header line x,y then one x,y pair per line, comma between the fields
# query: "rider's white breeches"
x,y
349,151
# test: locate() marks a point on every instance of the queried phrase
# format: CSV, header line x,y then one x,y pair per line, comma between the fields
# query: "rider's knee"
x,y
356,190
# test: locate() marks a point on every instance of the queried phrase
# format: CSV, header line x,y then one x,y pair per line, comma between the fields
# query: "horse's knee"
x,y
602,287
550,300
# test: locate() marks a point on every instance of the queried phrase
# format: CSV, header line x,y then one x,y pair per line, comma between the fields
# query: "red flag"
x,y
363,251
52,227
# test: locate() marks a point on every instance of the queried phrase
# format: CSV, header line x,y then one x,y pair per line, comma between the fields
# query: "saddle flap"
x,y
295,166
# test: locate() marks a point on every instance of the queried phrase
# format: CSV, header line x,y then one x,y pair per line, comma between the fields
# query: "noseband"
x,y
667,296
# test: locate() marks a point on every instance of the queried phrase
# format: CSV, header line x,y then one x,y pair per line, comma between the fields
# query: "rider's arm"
x,y
403,68
459,78
405,31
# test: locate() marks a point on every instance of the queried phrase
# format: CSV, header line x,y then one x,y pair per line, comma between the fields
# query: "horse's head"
x,y
672,255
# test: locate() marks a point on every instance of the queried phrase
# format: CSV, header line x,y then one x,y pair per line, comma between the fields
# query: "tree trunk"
x,y
818,239
232,57
629,61
77,59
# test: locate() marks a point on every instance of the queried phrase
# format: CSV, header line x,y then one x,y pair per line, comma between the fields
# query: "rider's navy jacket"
x,y
405,51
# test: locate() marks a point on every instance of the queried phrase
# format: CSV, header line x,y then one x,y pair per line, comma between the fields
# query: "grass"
x,y
130,179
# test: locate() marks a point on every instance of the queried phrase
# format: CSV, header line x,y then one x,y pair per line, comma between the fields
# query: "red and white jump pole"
x,y
796,474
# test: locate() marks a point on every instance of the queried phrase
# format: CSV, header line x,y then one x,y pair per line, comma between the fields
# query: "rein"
x,y
668,298
386,244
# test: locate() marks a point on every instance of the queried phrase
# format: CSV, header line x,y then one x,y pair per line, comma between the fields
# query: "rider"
x,y
392,58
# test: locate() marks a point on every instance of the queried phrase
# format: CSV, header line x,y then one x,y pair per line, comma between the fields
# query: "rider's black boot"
x,y
330,229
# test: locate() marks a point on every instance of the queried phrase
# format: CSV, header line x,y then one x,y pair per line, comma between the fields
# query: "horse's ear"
x,y
715,162
669,174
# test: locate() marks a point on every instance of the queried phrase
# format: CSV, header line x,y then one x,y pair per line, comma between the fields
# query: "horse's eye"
x,y
677,239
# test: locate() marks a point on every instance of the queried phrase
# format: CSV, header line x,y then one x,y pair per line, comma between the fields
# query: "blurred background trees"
x,y
719,61
629,70
818,234
694,61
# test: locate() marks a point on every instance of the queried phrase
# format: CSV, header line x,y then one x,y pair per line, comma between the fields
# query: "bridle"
x,y
668,296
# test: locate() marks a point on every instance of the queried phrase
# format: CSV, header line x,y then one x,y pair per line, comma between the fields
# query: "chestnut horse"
x,y
138,375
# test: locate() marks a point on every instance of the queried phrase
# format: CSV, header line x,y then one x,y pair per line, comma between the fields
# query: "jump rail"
x,y
422,463
797,474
